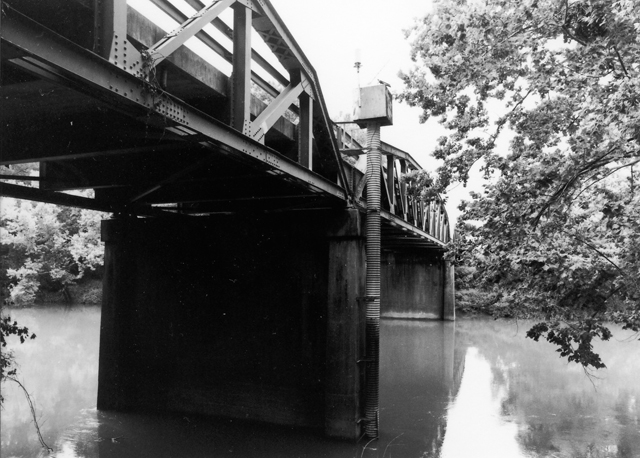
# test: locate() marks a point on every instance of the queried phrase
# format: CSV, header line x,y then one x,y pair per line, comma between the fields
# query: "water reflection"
x,y
470,389
59,369
419,376
476,424
548,407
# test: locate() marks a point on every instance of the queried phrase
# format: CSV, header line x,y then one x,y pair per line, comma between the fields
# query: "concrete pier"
x,y
249,317
243,317
413,285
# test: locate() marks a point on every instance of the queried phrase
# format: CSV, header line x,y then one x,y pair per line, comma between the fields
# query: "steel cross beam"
x,y
410,227
276,35
178,16
261,125
70,200
97,77
172,41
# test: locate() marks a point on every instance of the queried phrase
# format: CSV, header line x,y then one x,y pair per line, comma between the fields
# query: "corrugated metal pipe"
x,y
371,404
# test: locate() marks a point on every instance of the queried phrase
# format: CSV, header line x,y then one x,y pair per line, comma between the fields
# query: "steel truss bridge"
x,y
103,98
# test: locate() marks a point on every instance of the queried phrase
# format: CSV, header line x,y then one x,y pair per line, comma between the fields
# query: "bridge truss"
x,y
104,99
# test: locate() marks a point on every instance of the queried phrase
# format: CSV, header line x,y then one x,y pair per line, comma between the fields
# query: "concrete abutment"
x,y
417,285
253,317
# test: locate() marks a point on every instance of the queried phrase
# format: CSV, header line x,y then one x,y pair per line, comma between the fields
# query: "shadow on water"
x,y
471,389
420,374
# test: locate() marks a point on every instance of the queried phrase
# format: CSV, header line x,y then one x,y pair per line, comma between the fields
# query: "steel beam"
x,y
305,132
360,187
403,188
208,40
70,200
57,198
278,38
226,30
110,23
110,36
95,154
389,150
172,41
409,227
261,125
240,78
391,183
97,77
385,186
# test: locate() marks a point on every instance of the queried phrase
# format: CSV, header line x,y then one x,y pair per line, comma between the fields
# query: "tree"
x,y
8,328
47,246
555,231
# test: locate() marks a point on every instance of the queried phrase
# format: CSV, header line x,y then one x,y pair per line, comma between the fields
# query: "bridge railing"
x,y
428,216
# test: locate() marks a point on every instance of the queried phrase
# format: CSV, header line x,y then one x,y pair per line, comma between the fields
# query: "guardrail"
x,y
428,216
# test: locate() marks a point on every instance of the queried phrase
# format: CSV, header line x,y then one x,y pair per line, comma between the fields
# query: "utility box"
x,y
373,104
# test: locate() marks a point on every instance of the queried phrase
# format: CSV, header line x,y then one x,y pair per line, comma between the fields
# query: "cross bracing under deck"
x,y
104,99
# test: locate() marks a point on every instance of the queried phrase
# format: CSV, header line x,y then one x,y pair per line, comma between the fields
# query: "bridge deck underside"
x,y
84,143
85,137
80,117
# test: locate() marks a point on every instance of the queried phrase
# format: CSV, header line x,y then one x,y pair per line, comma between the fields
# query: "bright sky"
x,y
329,33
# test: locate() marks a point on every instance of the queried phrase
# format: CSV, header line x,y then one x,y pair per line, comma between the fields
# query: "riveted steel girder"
x,y
410,228
261,125
93,75
173,40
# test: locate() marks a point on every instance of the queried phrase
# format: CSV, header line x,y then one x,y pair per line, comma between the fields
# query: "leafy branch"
x,y
590,246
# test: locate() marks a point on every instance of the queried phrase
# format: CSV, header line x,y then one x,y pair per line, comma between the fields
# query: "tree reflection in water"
x,y
476,388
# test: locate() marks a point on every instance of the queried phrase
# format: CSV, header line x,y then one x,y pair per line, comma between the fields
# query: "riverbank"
x,y
89,292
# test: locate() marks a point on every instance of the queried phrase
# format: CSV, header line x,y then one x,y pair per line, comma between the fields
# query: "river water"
x,y
476,388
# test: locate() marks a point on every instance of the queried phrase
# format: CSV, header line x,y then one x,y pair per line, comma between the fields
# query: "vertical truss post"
x,y
439,210
305,132
403,188
391,185
241,77
110,25
434,224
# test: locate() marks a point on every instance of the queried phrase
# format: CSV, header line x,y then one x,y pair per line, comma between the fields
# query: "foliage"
x,y
554,233
46,246
8,328
421,185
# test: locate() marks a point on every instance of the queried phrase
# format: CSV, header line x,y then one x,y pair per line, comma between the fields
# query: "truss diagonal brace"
x,y
172,41
360,187
274,111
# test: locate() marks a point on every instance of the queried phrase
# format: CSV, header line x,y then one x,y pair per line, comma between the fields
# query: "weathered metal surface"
x,y
96,116
173,40
92,74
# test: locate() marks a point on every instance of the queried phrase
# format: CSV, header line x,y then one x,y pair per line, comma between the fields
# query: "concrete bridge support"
x,y
243,317
417,285
256,317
